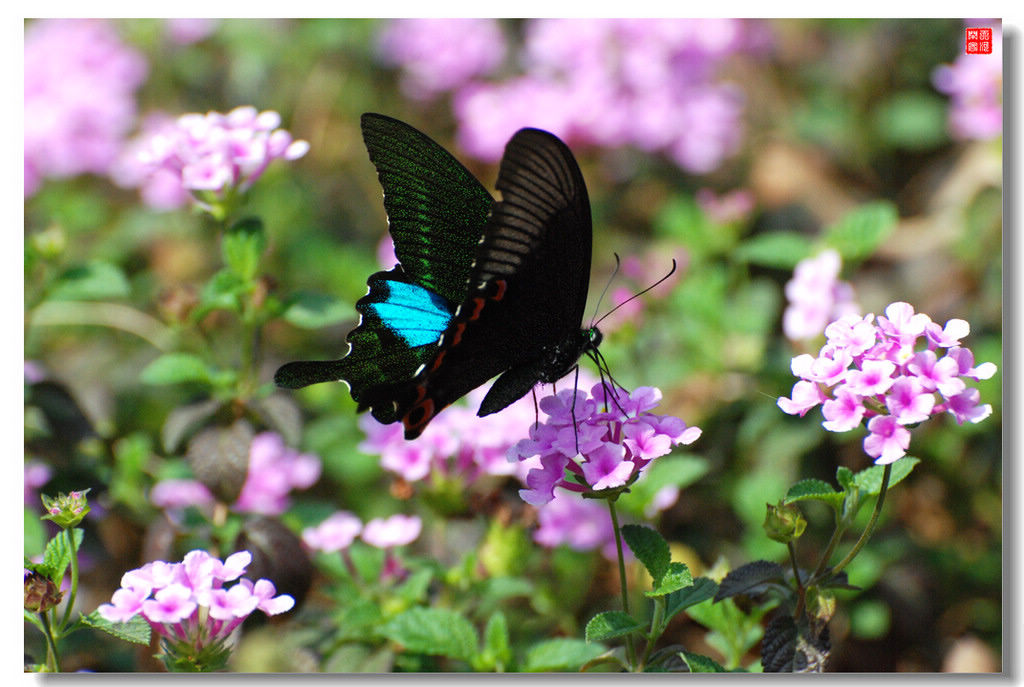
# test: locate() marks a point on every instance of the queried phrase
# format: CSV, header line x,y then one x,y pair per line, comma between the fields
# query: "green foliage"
x,y
93,281
559,655
136,630
433,631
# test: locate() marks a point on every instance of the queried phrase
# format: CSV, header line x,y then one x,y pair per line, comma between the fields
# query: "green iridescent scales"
x,y
436,214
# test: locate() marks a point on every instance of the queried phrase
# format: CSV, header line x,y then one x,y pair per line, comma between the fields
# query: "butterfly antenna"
x,y
604,292
637,295
575,429
603,370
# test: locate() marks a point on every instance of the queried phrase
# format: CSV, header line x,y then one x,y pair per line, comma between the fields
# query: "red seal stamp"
x,y
979,41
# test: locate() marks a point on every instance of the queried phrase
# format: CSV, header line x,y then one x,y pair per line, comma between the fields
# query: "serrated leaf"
x,y
844,476
747,578
701,590
814,490
96,280
858,233
561,654
433,631
609,625
176,368
136,630
57,556
243,246
676,577
779,249
870,479
310,310
699,663
650,548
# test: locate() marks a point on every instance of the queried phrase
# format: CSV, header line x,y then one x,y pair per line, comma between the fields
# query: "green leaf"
x,y
222,292
414,589
749,578
496,651
136,630
57,556
912,120
34,538
176,368
870,479
243,246
561,654
650,548
815,490
702,589
310,310
96,280
858,233
698,663
433,631
779,249
609,625
844,476
677,577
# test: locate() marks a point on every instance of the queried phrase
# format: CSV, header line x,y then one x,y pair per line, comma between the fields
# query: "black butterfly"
x,y
483,287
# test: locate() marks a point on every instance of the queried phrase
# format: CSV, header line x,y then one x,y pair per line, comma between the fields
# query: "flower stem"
x,y
70,534
52,662
870,529
630,649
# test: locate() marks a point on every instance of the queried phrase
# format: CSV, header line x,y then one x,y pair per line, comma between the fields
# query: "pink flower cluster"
x,y
187,601
456,442
600,448
647,83
274,470
871,370
975,86
439,55
339,530
208,155
80,82
816,297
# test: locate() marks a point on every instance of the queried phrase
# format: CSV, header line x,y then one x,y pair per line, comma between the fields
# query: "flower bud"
x,y
784,522
41,594
67,510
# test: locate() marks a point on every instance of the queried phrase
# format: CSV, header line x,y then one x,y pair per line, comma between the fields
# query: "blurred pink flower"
x,y
184,31
816,296
37,474
80,82
208,155
975,86
335,533
274,470
398,530
648,83
439,55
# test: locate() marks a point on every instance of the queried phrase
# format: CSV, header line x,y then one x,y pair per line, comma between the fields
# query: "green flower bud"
x,y
67,510
784,522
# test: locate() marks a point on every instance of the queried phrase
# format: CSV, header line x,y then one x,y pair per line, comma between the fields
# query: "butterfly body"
x,y
483,288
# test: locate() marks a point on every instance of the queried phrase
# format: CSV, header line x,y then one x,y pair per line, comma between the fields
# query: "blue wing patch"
x,y
416,314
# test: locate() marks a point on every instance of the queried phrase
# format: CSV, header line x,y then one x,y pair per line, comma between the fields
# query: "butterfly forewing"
x,y
436,209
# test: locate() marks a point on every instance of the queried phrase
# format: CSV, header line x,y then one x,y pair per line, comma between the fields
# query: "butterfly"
x,y
483,288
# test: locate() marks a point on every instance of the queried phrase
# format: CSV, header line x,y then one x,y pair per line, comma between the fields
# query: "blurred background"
x,y
734,146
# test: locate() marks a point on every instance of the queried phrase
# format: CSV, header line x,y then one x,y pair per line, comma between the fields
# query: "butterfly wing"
x,y
527,288
436,214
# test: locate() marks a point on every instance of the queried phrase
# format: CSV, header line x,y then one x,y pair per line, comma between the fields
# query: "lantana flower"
x,y
188,605
870,369
214,156
595,442
816,296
